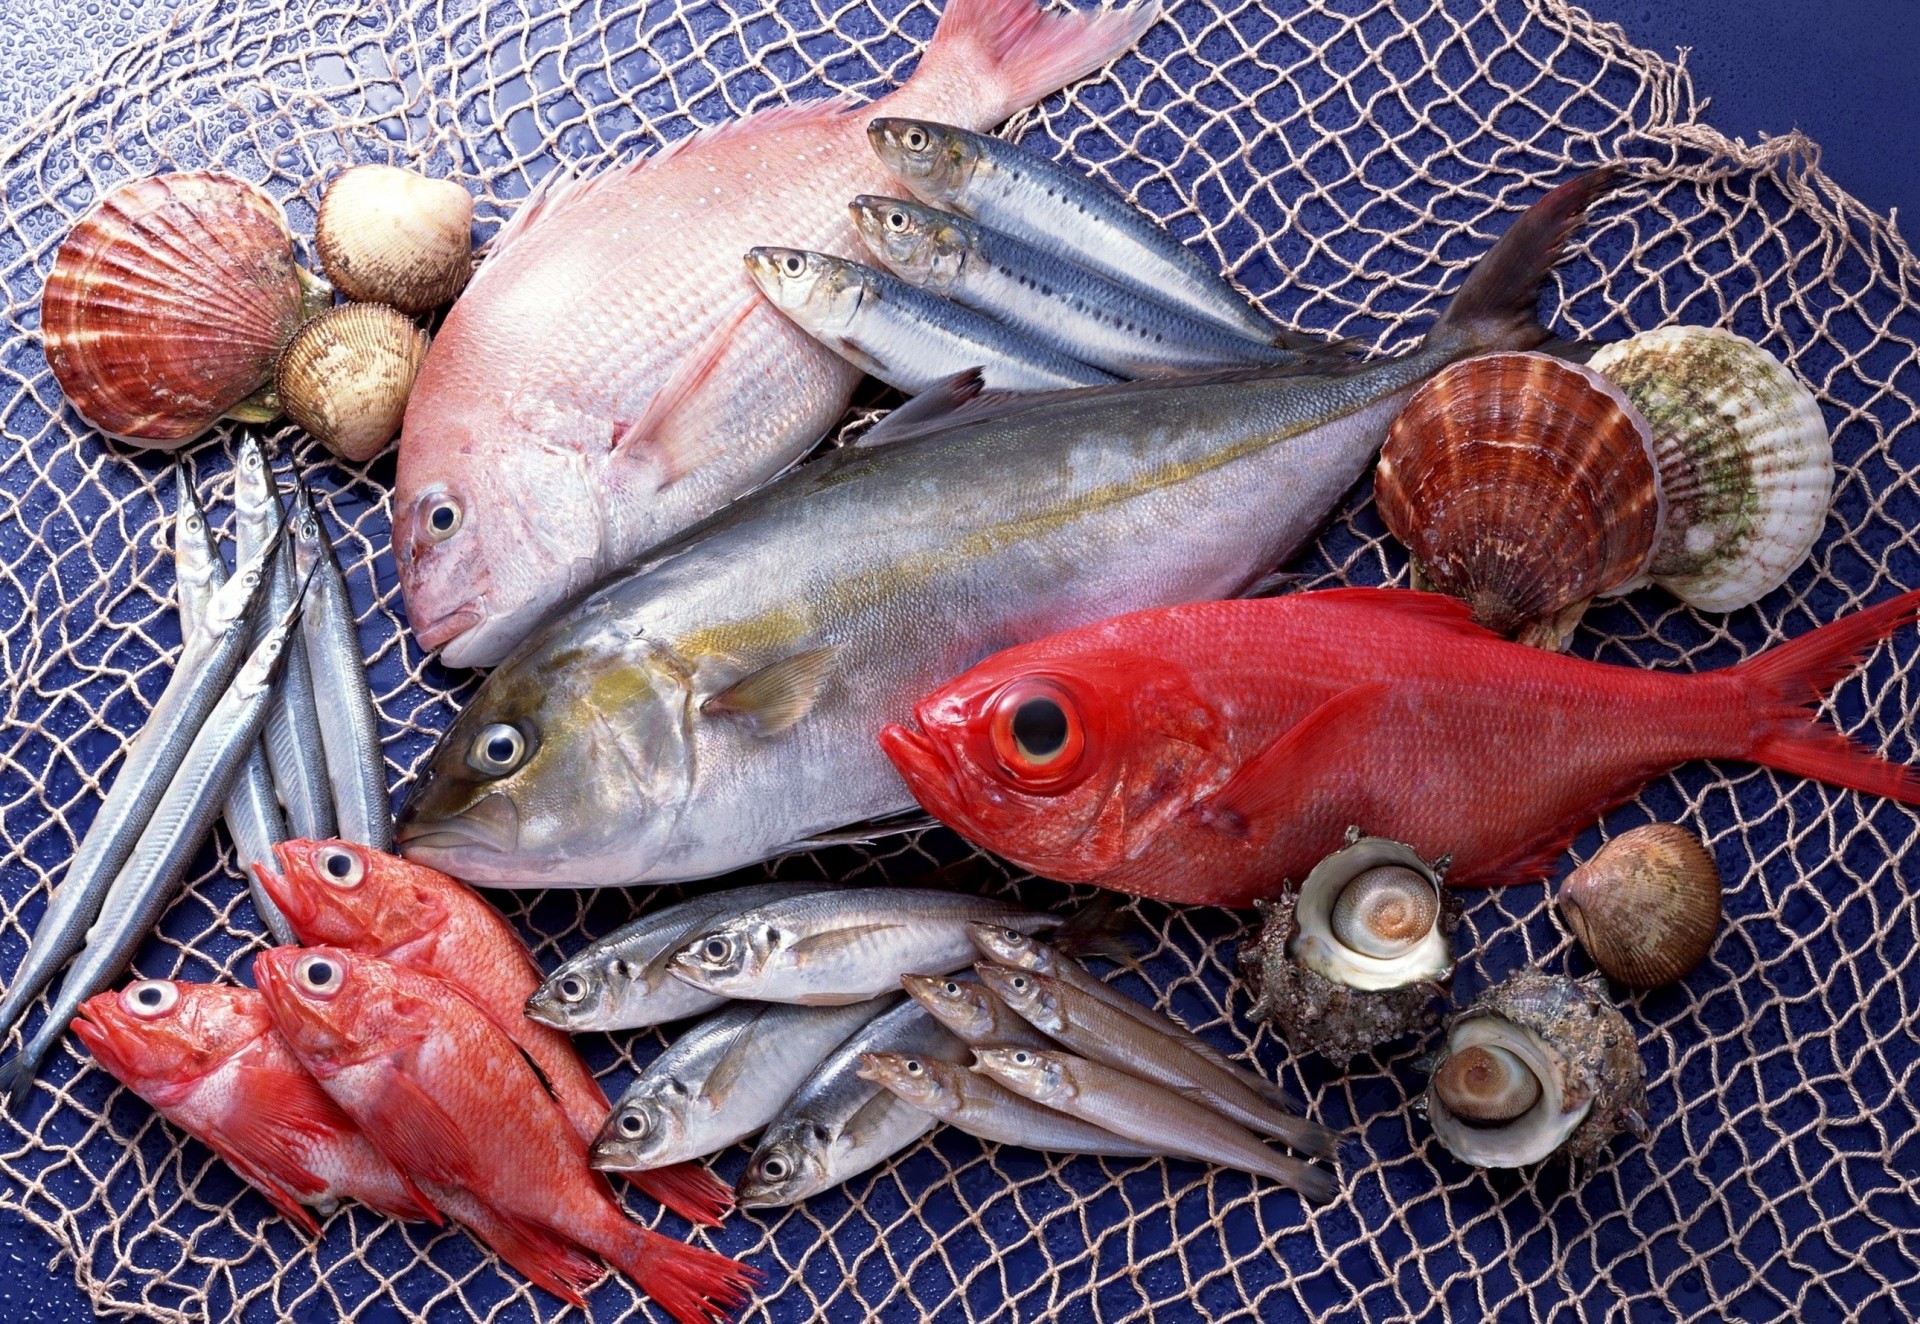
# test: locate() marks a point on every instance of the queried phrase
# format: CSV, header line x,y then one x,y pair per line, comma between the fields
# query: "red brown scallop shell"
x,y
169,303
1525,486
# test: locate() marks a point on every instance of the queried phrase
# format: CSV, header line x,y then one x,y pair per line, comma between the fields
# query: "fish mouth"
x,y
927,772
280,889
443,632
490,824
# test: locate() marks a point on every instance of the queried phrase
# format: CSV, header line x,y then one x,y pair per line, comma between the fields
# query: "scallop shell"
x,y
1646,907
168,305
1324,995
1745,460
1582,1054
387,235
1524,485
346,376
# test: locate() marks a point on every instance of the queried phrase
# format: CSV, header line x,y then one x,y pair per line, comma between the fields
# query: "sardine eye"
x,y
497,750
914,1068
151,999
793,265
897,221
1023,1058
573,988
1037,733
916,139
443,518
319,974
633,1125
340,866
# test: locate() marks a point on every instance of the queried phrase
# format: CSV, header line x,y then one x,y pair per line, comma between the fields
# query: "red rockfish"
x,y
452,1102
339,894
611,375
1208,753
207,1057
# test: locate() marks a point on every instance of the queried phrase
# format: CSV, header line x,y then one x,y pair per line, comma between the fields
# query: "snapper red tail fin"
x,y
990,58
694,1285
1796,674
689,1190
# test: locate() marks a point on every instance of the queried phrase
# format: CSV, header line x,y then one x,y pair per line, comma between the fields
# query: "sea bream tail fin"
x,y
1784,681
990,58
1498,306
694,1285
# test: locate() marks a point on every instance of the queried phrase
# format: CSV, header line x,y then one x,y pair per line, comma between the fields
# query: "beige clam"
x,y
387,235
346,375
1646,907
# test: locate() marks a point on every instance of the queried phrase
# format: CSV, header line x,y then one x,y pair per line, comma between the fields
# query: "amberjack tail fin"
x,y
689,1190
990,58
694,1285
1787,679
1498,306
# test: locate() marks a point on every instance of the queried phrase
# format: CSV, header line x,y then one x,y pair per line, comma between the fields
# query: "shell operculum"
x,y
1369,918
346,376
168,305
1745,459
1647,906
1525,486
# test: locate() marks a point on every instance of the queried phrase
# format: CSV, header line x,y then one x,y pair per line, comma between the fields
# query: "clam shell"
x,y
387,235
1745,460
169,303
1524,485
346,376
1647,906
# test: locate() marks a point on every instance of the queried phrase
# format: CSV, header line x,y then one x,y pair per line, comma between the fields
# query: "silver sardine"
x,y
722,1081
1061,211
837,1125
1146,1113
715,705
621,981
902,335
983,1107
349,723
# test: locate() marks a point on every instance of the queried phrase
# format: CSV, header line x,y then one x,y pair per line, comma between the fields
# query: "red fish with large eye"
x,y
207,1057
1206,753
341,894
453,1102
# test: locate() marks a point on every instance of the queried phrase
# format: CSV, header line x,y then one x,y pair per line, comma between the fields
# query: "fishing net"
x,y
1344,159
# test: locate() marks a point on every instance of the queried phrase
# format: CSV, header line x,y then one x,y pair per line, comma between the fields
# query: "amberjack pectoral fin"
x,y
776,696
674,430
1272,780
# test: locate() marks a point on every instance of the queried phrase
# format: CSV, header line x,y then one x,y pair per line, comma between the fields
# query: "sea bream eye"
x,y
497,750
443,518
151,998
341,867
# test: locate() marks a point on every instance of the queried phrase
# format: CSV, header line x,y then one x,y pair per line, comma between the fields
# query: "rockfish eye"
x,y
1037,733
633,1125
443,518
319,974
573,988
340,866
793,265
916,139
151,999
497,750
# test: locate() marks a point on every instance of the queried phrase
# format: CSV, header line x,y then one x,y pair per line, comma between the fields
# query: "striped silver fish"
x,y
349,723
1061,211
902,335
145,885
722,1081
1046,298
983,1107
211,650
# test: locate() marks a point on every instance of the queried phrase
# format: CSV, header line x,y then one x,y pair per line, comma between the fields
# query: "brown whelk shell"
x,y
387,235
346,376
1525,486
1647,906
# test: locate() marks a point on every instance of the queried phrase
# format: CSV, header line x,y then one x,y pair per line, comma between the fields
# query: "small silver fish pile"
x,y
1018,266
238,733
808,1043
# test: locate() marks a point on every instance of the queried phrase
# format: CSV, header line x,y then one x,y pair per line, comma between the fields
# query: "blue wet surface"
x,y
1843,73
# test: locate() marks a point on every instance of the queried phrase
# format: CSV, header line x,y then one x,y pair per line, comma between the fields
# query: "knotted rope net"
x,y
1344,159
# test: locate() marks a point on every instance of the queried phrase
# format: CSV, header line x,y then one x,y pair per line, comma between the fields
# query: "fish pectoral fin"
x,y
417,1135
776,696
835,941
282,1109
864,834
926,412
871,1116
1271,780
674,430
731,1067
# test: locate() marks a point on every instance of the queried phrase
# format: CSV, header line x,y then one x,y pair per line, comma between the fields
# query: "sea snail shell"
x,y
1525,486
346,376
169,303
1647,906
387,235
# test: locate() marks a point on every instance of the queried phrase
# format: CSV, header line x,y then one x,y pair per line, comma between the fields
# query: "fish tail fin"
x,y
990,58
17,1076
543,1259
694,1285
1098,929
1498,306
1785,680
689,1190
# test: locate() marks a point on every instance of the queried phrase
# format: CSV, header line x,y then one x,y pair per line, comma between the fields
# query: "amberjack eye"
x,y
340,866
150,999
1038,735
497,750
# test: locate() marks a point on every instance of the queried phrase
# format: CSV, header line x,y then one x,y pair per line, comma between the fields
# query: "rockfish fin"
x,y
689,1190
671,430
990,58
544,1259
1269,782
1497,306
1796,674
277,1110
415,1133
927,412
770,700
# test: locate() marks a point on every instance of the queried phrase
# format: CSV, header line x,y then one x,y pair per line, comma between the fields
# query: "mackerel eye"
x,y
793,266
340,867
573,988
150,999
775,1168
717,949
916,139
633,1125
319,975
1038,735
497,750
